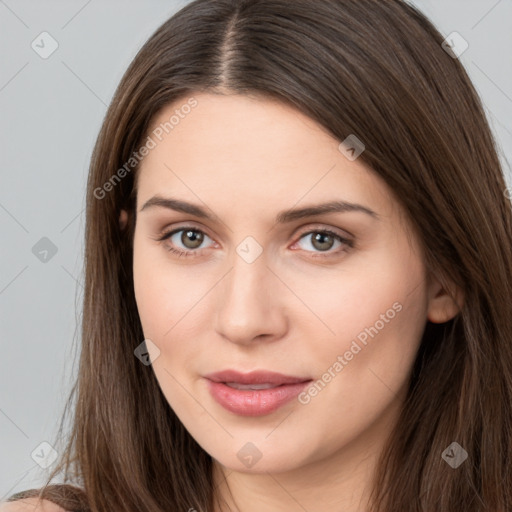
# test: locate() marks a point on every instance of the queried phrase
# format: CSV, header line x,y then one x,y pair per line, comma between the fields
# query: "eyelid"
x,y
169,231
323,227
165,232
347,243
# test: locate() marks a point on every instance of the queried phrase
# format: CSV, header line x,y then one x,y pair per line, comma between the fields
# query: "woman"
x,y
298,273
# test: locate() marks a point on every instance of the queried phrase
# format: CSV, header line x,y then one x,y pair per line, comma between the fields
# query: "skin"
x,y
30,505
291,310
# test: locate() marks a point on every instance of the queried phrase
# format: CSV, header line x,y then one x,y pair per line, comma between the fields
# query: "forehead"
x,y
241,125
252,150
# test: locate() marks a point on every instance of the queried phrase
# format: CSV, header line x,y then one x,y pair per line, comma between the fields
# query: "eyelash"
x,y
193,253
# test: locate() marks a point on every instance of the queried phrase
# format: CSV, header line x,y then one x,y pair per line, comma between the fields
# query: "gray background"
x,y
50,113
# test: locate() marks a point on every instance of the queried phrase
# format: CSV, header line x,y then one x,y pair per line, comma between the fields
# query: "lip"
x,y
254,402
255,377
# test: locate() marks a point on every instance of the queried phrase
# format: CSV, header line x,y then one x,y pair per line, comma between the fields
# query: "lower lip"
x,y
254,402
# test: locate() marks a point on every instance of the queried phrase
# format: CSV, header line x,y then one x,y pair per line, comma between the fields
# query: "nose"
x,y
250,303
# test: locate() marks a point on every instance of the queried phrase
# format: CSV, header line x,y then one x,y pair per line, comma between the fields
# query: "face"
x,y
234,269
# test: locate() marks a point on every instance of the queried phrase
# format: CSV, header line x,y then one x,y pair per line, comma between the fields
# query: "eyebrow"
x,y
282,217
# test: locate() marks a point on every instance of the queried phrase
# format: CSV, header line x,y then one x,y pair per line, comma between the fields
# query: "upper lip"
x,y
255,377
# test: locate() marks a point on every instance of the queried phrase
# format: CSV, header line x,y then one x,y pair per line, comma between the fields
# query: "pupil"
x,y
321,237
191,239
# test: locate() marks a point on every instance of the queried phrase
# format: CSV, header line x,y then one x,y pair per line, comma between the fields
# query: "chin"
x,y
247,458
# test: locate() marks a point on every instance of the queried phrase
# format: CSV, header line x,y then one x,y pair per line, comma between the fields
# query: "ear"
x,y
444,301
123,219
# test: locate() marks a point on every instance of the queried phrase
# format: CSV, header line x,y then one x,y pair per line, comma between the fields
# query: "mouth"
x,y
258,377
256,393
237,385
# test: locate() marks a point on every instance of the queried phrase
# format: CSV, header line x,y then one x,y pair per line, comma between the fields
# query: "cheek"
x,y
156,299
160,294
377,315
171,302
382,289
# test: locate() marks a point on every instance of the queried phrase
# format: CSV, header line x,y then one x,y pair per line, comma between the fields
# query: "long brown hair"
x,y
372,68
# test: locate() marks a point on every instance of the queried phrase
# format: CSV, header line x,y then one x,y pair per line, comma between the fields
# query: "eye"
x,y
190,239
187,241
323,240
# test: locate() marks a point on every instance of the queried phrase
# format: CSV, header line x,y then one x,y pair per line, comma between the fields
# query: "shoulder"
x,y
50,498
30,505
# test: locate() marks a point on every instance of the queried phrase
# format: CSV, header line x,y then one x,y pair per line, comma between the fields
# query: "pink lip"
x,y
254,402
255,377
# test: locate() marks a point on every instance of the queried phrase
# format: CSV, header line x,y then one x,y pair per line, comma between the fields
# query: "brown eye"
x,y
191,239
322,241
186,241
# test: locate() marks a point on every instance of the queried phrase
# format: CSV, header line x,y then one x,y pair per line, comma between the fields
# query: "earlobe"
x,y
123,219
444,305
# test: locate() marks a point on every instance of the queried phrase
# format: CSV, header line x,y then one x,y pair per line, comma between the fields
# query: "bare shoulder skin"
x,y
30,505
